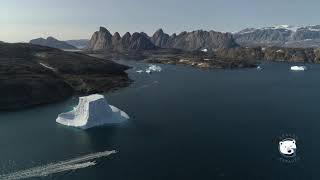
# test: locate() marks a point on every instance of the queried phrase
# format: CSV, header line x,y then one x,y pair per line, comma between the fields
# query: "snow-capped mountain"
x,y
282,35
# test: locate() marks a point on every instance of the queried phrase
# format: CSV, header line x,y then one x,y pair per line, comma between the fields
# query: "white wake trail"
x,y
71,164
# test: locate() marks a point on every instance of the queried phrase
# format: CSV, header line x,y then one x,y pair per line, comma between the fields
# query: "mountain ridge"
x,y
281,35
52,42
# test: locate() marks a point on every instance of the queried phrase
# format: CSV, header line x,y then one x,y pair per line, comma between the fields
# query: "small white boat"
x,y
148,71
139,71
298,68
259,68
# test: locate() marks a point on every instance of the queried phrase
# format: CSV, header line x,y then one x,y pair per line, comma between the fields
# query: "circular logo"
x,y
288,147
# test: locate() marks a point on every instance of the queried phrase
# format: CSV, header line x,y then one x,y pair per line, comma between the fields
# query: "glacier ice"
x,y
298,68
91,111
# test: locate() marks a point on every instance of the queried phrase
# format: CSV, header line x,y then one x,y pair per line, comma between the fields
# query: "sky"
x,y
22,20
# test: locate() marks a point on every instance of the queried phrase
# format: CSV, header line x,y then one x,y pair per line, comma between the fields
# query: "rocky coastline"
x,y
33,75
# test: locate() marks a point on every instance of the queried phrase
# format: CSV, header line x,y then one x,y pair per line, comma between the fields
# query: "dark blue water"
x,y
185,123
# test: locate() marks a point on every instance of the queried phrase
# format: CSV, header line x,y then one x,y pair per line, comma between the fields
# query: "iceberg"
x,y
91,111
139,71
298,68
154,68
204,50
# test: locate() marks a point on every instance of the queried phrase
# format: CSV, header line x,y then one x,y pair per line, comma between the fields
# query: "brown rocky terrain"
x,y
32,75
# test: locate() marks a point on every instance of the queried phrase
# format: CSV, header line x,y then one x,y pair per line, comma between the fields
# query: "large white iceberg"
x,y
92,111
298,68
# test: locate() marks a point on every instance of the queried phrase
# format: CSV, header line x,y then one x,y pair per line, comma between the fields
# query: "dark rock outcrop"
x,y
52,42
187,41
160,38
103,40
32,75
195,40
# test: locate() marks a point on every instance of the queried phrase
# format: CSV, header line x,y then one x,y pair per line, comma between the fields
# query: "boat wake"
x,y
52,168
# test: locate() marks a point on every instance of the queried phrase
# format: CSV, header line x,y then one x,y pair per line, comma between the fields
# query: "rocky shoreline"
x,y
229,58
32,75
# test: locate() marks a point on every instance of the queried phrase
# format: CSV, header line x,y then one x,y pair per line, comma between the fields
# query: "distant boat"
x,y
298,68
259,68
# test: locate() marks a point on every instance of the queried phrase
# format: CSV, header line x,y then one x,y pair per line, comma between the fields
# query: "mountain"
x,y
32,75
195,40
103,40
52,42
79,43
283,35
187,41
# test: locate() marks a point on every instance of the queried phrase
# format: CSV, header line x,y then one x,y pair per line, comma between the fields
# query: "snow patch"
x,y
47,66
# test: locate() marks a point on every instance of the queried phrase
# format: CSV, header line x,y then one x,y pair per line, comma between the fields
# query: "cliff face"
x,y
195,40
103,40
32,75
52,42
187,41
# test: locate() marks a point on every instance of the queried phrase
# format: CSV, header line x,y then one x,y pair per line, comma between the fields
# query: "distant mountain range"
x,y
189,41
78,43
52,42
283,36
279,36
195,40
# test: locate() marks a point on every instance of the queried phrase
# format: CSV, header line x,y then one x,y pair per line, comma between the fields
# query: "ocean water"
x,y
186,123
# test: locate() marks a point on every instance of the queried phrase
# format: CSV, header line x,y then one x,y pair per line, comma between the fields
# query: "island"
x,y
33,75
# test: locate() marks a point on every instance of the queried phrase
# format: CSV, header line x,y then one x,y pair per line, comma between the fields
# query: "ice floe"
x,y
204,50
92,111
151,68
298,68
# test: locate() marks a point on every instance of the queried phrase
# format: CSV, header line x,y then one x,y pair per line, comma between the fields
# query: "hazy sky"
x,y
22,20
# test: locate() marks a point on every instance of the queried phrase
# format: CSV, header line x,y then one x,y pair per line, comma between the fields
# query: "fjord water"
x,y
186,123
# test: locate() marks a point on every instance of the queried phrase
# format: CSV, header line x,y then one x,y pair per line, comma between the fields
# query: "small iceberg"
x,y
150,69
92,111
298,68
139,71
154,68
204,50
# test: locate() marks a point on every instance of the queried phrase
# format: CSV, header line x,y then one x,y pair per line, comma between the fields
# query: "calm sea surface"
x,y
186,123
